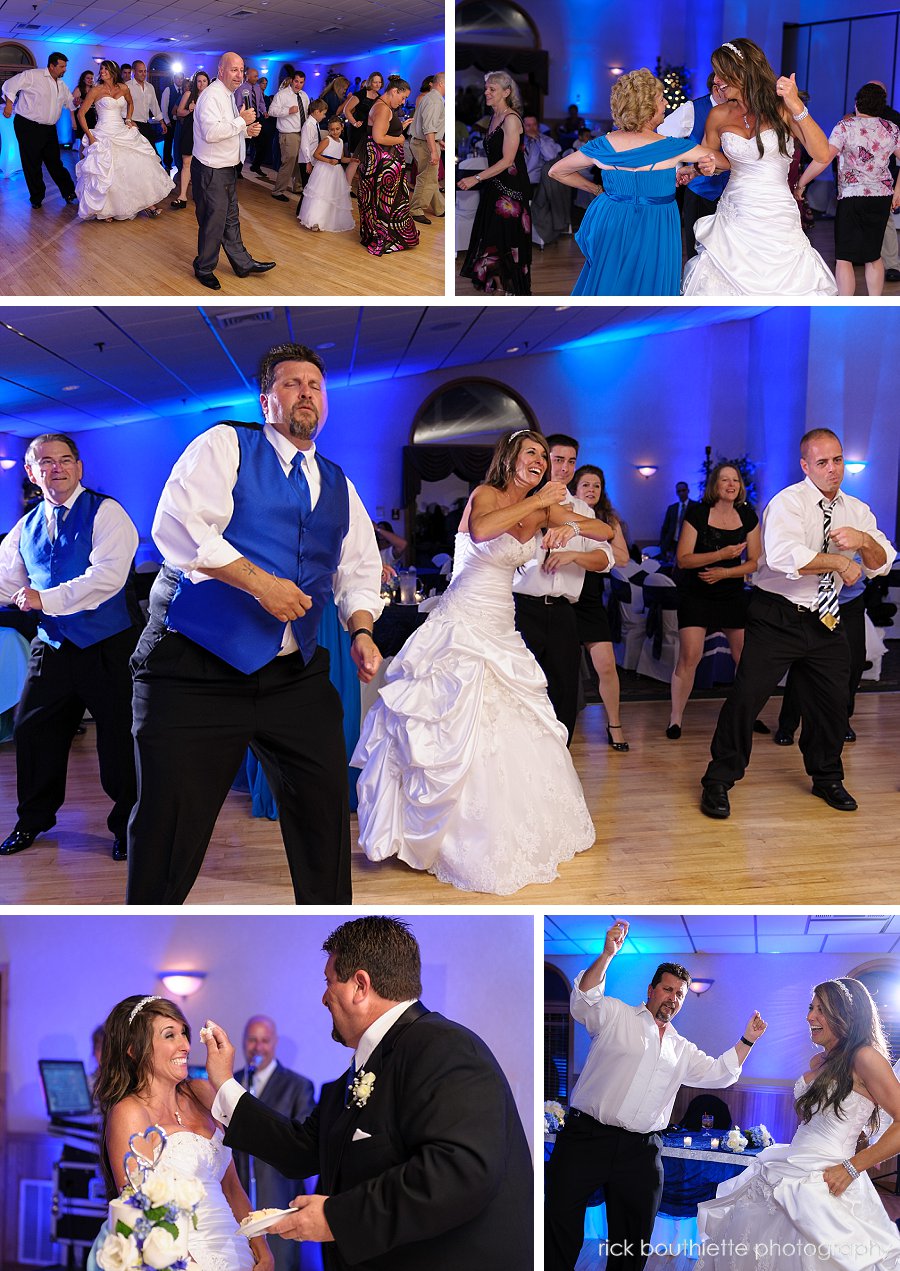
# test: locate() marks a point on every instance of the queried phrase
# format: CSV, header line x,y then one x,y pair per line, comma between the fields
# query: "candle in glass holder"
x,y
714,1143
688,1140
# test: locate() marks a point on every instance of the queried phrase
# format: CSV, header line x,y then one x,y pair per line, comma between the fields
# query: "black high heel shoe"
x,y
616,745
673,732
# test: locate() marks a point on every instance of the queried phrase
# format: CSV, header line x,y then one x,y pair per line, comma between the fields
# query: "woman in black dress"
x,y
356,111
499,255
85,84
185,113
719,547
385,223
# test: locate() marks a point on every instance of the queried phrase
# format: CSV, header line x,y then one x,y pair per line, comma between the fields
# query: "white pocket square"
x,y
359,1134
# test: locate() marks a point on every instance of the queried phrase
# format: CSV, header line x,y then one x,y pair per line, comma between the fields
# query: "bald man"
x,y
220,146
292,1095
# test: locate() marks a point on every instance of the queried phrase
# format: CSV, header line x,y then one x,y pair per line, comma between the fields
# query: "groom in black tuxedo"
x,y
421,1157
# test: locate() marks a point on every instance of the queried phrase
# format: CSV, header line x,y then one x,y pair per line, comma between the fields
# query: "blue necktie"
x,y
59,515
348,1085
301,485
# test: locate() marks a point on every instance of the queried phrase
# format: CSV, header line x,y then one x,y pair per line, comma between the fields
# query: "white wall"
x,y
66,973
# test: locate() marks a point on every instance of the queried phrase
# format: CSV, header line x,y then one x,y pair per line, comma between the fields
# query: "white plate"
x,y
262,1224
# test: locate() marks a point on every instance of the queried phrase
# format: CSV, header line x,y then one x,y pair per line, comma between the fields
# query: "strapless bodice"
x,y
214,1245
828,1135
747,164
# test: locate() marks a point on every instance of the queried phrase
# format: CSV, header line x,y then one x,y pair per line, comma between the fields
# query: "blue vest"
x,y
267,527
705,187
67,557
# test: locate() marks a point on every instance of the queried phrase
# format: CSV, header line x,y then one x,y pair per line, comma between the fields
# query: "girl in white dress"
x,y
755,244
120,173
326,199
465,771
809,1205
143,1081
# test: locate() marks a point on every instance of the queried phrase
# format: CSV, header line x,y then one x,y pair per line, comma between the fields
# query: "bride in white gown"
x,y
120,174
809,1205
143,1081
754,244
465,768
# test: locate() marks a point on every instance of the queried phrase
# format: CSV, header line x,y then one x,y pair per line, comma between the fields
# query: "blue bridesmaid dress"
x,y
631,233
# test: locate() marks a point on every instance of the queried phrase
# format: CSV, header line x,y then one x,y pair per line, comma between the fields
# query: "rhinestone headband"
x,y
154,997
735,50
520,432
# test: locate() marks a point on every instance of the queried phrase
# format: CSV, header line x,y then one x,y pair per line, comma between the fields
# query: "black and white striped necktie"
x,y
826,601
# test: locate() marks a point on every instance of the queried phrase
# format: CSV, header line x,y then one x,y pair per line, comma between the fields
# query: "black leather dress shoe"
x,y
256,267
673,732
120,850
18,841
782,738
208,280
422,220
714,801
71,198
892,275
849,735
280,198
832,792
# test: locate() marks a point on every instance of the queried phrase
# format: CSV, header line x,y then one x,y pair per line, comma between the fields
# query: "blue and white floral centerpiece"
x,y
759,1136
554,1116
148,1224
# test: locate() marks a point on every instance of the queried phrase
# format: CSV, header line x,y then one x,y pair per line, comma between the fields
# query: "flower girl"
x,y
326,199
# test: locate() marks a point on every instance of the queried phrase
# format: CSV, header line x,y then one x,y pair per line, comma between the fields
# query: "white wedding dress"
x,y
214,1245
326,198
782,1209
465,768
755,244
120,174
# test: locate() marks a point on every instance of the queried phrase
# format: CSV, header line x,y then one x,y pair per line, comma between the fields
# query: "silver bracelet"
x,y
851,1169
803,113
573,525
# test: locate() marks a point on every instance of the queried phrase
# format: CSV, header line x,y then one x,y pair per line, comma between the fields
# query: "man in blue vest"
x,y
258,530
68,560
701,193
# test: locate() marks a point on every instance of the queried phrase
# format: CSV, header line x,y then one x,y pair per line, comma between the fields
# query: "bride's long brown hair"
x,y
749,71
853,1017
126,1061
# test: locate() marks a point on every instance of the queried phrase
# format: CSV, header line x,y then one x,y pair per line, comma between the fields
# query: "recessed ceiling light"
x,y
70,388
327,344
514,349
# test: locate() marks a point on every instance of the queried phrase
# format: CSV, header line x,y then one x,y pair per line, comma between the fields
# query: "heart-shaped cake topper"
x,y
146,1152
135,1171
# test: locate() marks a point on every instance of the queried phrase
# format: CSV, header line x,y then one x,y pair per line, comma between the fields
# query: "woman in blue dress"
x,y
631,236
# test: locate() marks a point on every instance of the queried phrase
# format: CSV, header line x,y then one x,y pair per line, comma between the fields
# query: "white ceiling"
x,y
72,368
302,28
680,934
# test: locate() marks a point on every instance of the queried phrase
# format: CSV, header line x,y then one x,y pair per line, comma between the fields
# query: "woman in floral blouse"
x,y
862,144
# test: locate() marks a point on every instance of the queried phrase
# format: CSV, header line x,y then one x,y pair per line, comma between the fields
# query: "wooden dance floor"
x,y
50,252
556,268
653,847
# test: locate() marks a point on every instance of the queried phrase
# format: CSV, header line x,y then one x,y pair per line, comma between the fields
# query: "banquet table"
x,y
691,1175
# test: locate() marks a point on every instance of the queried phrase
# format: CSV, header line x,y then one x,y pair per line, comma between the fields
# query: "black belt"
x,y
543,600
615,1129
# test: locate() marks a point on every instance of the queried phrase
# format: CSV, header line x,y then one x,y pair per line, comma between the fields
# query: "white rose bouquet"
x,y
149,1221
735,1142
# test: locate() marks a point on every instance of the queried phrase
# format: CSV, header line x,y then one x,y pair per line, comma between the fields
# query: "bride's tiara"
x,y
734,48
520,432
154,997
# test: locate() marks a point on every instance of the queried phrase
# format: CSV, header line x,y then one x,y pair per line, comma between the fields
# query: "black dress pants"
x,y
779,637
551,633
628,1167
59,684
39,148
218,218
853,621
194,717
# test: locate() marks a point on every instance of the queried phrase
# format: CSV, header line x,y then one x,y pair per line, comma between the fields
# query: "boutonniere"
x,y
361,1089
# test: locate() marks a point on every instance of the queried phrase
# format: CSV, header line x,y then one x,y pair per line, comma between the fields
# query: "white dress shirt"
x,y
793,534
191,523
220,134
681,121
631,1076
280,109
114,543
309,140
531,580
42,99
231,1091
145,101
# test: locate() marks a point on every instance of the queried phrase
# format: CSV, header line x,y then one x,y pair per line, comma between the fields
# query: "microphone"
x,y
246,99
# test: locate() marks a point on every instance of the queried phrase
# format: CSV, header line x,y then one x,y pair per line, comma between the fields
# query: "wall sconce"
x,y
646,470
701,986
6,464
855,466
615,70
183,983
